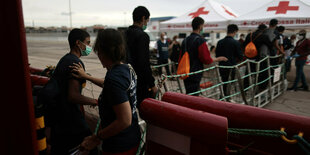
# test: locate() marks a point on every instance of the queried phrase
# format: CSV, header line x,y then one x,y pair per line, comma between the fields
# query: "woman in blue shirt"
x,y
120,132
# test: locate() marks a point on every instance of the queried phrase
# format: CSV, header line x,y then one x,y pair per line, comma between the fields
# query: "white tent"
x,y
290,13
216,16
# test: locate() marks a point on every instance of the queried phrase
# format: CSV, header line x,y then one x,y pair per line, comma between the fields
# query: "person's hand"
x,y
90,143
78,71
221,58
154,91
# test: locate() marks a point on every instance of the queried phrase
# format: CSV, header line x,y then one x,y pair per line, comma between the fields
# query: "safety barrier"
x,y
248,124
39,121
256,83
173,129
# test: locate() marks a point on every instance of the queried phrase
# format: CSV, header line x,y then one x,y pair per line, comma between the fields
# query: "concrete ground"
x,y
43,53
294,102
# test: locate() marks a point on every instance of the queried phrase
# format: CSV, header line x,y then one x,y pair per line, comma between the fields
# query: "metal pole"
x,y
269,81
70,14
250,83
220,81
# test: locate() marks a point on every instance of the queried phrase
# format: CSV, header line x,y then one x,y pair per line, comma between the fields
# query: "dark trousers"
x,y
287,66
63,143
174,68
163,61
225,73
192,86
300,75
263,76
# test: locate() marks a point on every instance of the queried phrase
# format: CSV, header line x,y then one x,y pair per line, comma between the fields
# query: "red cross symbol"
x,y
198,12
283,7
230,13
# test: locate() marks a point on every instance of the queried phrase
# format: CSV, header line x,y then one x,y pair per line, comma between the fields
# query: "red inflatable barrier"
x,y
35,70
174,129
38,80
248,117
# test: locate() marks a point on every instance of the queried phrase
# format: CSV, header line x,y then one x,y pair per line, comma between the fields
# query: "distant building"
x,y
153,25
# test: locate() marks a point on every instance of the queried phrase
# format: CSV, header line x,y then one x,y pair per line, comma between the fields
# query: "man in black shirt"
x,y
229,48
138,54
70,130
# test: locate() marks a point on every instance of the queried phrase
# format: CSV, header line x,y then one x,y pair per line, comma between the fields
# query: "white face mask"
x,y
300,37
165,37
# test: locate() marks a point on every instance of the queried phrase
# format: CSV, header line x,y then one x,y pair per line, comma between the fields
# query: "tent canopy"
x,y
216,16
291,14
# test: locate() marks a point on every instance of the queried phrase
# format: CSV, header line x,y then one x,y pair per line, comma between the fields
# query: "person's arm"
x,y
277,46
204,54
218,55
123,121
74,95
78,72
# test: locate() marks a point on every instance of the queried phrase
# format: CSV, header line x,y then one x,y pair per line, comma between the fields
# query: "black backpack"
x,y
50,97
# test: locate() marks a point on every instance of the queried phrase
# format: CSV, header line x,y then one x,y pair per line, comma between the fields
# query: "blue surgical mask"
x,y
87,50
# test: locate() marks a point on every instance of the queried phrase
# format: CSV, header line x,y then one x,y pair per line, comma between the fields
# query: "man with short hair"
x,y
71,127
279,40
199,54
229,48
270,32
302,50
162,47
138,53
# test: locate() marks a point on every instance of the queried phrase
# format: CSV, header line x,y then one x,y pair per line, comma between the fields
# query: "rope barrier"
x,y
241,90
163,65
257,132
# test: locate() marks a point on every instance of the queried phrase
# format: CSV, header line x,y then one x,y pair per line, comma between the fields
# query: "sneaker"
x,y
305,88
292,88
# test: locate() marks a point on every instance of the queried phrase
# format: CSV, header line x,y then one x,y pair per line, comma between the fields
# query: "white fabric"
x,y
297,15
216,16
219,16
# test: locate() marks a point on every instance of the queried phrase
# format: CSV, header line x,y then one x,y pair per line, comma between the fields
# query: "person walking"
x,y
138,53
199,54
162,47
229,48
260,40
120,131
279,40
71,128
302,49
288,45
175,54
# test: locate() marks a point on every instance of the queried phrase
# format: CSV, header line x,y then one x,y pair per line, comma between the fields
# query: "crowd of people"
x,y
269,41
129,78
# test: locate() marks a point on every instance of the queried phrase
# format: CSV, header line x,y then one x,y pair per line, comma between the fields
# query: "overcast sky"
x,y
114,12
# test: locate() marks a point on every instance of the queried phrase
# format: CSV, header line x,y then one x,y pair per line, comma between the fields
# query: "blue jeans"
x,y
300,73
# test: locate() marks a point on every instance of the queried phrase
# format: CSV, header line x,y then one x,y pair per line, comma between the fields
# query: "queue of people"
x,y
129,79
269,41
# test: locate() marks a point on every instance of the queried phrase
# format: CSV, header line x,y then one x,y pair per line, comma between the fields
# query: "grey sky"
x,y
114,12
